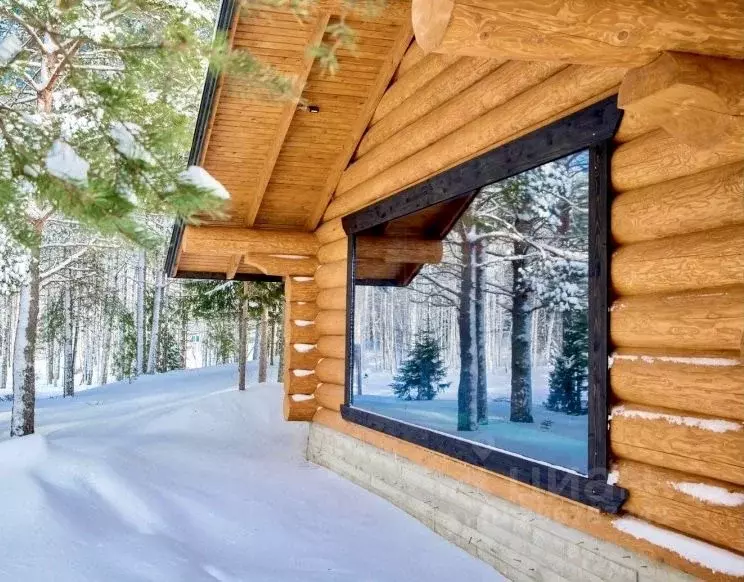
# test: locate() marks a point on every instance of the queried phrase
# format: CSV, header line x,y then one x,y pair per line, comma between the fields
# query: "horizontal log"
x,y
696,444
299,384
660,495
572,87
708,319
704,383
229,240
611,33
697,99
399,249
331,371
703,201
300,289
445,86
503,84
302,360
331,322
658,157
330,231
299,410
333,298
713,258
334,251
301,334
405,86
332,346
633,126
330,396
305,310
331,275
413,56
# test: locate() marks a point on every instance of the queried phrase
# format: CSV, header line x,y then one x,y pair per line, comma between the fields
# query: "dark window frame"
x,y
593,129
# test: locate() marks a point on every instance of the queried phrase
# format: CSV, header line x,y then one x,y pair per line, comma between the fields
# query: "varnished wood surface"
x,y
609,33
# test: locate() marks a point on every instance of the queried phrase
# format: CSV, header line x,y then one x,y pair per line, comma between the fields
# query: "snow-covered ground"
x,y
180,477
554,437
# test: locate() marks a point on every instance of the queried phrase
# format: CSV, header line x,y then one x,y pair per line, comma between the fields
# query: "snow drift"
x,y
181,477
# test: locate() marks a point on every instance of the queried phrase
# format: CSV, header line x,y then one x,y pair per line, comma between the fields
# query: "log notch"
x,y
697,99
301,354
331,278
609,32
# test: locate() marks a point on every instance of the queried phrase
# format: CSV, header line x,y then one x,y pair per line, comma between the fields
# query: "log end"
x,y
296,409
430,21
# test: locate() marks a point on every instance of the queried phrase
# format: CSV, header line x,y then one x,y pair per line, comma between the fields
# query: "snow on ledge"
x,y
303,322
302,279
303,348
199,177
677,360
711,424
707,555
301,397
710,494
302,373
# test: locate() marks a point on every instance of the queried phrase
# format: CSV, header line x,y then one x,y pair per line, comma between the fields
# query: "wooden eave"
x,y
281,158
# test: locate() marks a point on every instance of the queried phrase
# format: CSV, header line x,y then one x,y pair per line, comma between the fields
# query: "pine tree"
x,y
420,376
569,377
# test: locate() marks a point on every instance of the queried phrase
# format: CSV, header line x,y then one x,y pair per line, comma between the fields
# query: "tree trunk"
x,y
272,327
5,341
358,368
154,333
24,350
282,354
263,343
108,330
139,359
521,352
49,362
184,345
467,388
68,377
256,342
480,334
242,337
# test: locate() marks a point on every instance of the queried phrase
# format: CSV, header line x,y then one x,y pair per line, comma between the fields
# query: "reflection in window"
x,y
483,335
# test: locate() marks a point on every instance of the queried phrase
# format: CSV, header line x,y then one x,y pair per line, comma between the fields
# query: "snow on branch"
x,y
64,264
199,177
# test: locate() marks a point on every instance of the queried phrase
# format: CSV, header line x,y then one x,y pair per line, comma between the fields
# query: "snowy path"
x,y
180,477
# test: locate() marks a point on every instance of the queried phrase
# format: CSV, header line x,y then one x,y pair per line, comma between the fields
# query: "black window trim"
x,y
591,128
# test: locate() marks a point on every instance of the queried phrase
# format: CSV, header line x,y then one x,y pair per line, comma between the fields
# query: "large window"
x,y
478,320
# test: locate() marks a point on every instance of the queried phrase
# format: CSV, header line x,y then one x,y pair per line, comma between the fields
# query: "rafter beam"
x,y
229,241
285,119
385,74
613,33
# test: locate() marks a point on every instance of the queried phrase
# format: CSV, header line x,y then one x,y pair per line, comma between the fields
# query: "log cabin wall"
x,y
677,321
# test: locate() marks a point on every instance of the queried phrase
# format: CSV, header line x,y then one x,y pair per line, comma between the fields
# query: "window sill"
x,y
594,492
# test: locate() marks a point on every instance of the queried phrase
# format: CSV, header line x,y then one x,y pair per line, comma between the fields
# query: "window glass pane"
x,y
484,334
